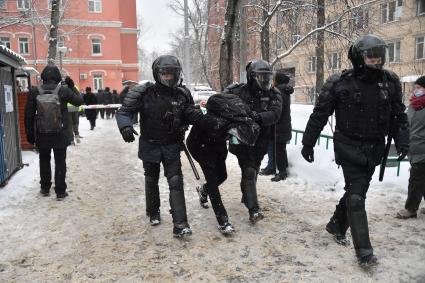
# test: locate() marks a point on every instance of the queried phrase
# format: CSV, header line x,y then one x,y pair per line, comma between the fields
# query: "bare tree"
x,y
320,48
226,47
54,26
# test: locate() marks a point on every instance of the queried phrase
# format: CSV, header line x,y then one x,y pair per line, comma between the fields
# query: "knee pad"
x,y
176,183
356,202
249,173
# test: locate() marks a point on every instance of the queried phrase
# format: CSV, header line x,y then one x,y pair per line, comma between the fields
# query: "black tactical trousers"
x,y
172,170
46,171
281,157
215,174
350,210
416,187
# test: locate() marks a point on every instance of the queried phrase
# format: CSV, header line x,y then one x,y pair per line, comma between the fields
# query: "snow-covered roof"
x,y
13,55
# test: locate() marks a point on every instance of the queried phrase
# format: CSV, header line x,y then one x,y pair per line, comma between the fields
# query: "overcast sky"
x,y
159,22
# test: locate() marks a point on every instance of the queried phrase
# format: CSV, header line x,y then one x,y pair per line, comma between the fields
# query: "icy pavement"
x,y
100,233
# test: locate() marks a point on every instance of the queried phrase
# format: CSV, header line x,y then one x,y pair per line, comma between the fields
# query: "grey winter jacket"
x,y
417,135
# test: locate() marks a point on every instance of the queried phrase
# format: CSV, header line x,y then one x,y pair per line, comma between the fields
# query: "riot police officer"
x,y
367,105
166,108
266,106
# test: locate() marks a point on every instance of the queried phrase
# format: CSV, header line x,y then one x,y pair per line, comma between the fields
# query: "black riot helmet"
x,y
368,48
167,70
259,72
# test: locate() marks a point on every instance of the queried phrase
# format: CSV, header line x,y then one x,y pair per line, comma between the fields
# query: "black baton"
x,y
186,151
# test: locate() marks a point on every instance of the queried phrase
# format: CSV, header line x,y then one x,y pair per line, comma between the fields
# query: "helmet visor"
x,y
374,56
264,79
169,76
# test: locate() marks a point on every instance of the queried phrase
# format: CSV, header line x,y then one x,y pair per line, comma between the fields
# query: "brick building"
x,y
98,38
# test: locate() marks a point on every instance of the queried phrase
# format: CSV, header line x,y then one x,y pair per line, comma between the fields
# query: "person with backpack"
x,y
227,116
46,125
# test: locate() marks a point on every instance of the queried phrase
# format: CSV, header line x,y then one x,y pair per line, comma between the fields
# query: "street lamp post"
x,y
62,50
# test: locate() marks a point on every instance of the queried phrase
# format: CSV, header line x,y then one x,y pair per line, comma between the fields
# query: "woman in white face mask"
x,y
416,116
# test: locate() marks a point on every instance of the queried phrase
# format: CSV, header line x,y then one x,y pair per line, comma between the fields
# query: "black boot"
x,y
338,225
251,201
203,195
280,176
178,207
224,226
359,229
152,200
267,171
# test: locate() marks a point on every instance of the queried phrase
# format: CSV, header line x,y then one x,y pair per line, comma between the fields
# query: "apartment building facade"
x,y
97,39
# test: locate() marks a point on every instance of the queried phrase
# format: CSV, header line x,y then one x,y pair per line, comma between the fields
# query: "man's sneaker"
x,y
226,228
254,217
279,177
45,193
182,232
405,214
333,228
155,219
267,171
368,260
203,195
61,196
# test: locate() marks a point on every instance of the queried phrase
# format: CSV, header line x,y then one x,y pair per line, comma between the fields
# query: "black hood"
x,y
51,73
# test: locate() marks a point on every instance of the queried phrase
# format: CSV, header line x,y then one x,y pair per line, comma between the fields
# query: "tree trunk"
x,y
53,38
265,33
226,48
320,48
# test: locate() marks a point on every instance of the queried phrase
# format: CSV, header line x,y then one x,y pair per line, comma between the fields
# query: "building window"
x,y
96,46
420,50
23,46
393,52
23,4
421,7
360,19
334,61
280,17
391,11
279,42
97,82
312,61
5,41
22,83
2,4
61,41
95,6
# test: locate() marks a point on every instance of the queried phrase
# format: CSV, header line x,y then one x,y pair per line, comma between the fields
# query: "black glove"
x,y
69,82
256,117
402,152
128,134
308,153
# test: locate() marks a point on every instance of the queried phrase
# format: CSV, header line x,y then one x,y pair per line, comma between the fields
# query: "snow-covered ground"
x,y
100,232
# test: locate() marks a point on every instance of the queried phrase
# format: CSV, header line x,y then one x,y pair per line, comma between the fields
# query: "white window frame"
x,y
97,6
97,82
420,5
398,4
3,4
23,4
23,83
61,41
279,42
5,43
394,47
24,43
97,43
420,40
360,19
312,64
334,61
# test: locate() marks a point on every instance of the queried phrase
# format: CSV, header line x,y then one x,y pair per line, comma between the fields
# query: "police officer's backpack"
x,y
49,116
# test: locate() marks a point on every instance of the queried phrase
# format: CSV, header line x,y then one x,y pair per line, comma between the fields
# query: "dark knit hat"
x,y
281,78
51,73
421,81
88,89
